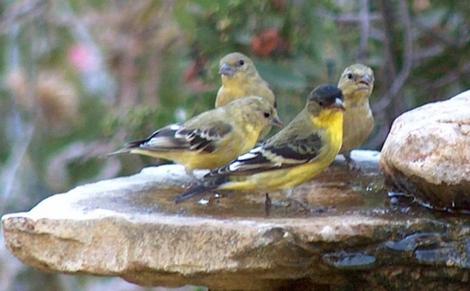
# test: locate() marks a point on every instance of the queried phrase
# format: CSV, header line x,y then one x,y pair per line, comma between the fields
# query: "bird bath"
x,y
341,229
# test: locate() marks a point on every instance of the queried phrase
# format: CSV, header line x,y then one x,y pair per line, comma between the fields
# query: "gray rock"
x,y
427,153
338,230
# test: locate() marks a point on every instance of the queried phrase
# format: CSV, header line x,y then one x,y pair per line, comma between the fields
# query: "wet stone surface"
x,y
342,229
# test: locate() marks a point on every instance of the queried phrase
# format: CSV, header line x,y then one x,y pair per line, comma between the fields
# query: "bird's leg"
x,y
191,174
267,205
289,192
352,165
192,178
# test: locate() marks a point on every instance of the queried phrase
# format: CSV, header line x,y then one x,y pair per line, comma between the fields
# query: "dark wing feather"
x,y
299,149
273,157
177,137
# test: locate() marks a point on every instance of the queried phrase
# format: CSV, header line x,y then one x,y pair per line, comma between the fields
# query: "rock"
x,y
427,153
16,276
338,230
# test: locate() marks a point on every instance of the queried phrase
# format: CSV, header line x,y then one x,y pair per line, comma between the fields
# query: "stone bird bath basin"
x,y
341,230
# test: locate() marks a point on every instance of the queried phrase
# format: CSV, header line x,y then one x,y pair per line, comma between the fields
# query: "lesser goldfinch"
x,y
301,150
213,138
356,83
239,79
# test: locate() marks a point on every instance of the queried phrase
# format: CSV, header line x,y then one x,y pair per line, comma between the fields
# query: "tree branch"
x,y
404,73
365,30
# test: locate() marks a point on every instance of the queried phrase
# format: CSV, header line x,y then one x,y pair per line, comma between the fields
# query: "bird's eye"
x,y
321,103
267,114
241,62
350,76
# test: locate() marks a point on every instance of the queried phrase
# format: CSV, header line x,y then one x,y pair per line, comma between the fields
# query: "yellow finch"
x,y
240,79
213,138
301,150
356,83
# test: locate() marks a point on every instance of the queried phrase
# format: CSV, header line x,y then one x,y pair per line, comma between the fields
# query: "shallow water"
x,y
337,191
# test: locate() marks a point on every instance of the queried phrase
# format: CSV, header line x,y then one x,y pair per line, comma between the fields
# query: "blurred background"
x,y
80,78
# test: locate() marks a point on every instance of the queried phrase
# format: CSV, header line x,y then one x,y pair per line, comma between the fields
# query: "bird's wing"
x,y
275,156
179,137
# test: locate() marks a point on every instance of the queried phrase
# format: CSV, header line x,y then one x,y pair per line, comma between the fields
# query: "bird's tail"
x,y
127,147
208,184
120,151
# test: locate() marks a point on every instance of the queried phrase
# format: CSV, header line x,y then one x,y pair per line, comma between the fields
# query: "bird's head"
x,y
257,111
357,81
325,98
236,66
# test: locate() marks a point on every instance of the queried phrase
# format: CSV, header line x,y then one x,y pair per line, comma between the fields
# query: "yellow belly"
x,y
291,177
281,179
226,152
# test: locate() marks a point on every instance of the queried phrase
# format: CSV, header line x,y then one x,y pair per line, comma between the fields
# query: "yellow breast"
x,y
228,94
332,123
358,125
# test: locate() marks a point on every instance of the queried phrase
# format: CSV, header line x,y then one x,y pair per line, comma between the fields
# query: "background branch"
x,y
407,58
364,15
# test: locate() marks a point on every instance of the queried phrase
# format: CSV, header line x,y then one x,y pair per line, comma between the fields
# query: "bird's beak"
x,y
366,79
338,104
226,70
277,122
